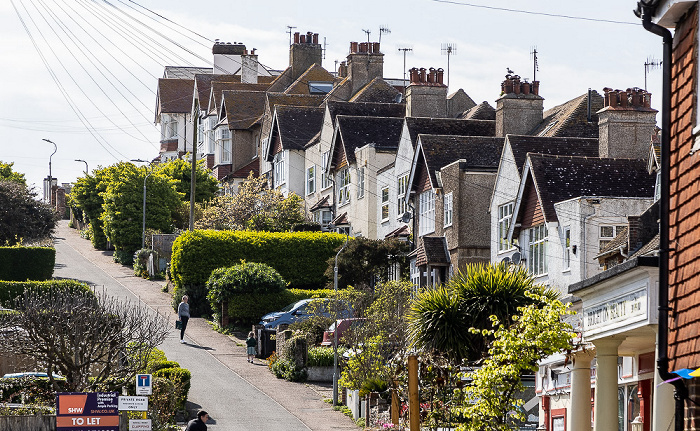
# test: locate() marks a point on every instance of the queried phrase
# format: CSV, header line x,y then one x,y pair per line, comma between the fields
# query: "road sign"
x,y
144,385
139,425
87,411
138,404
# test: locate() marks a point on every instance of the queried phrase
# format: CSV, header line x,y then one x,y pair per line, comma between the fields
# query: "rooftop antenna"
x,y
336,65
448,49
368,32
650,65
383,30
325,44
405,50
289,30
535,65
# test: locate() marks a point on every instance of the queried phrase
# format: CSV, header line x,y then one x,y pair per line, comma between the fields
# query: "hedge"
x,y
10,290
27,263
248,309
181,377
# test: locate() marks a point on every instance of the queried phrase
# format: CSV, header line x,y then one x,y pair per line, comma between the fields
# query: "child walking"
x,y
251,343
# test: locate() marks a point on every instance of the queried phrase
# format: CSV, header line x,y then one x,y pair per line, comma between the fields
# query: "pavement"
x,y
238,395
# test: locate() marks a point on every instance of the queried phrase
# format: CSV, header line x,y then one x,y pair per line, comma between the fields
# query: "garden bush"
x,y
154,366
320,356
181,378
10,290
27,263
29,390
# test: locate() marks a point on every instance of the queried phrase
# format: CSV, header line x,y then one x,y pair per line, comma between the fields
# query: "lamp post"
x,y
86,165
335,332
143,229
55,148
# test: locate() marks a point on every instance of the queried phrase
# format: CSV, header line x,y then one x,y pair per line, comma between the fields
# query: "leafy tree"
x,y
254,207
6,173
89,340
180,170
22,217
86,196
492,402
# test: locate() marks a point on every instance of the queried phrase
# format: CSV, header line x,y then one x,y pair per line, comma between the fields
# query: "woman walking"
x,y
183,314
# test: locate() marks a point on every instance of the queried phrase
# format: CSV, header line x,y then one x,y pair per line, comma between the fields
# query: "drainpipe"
x,y
681,393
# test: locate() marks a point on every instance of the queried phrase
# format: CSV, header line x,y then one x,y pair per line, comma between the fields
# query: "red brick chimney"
x,y
626,123
426,95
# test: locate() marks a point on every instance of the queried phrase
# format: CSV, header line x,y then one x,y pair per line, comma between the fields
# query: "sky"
x,y
83,73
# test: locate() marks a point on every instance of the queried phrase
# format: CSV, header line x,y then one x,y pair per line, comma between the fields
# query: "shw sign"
x,y
144,384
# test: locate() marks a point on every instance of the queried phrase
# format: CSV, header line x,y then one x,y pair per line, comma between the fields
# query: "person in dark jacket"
x,y
199,424
183,314
251,343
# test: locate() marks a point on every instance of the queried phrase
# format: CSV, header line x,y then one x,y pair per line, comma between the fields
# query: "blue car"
x,y
298,311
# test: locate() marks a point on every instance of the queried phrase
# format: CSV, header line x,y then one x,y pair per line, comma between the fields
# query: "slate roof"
x,y
297,125
559,178
448,126
366,109
522,145
321,204
570,119
433,251
354,132
245,170
218,87
482,111
314,73
341,220
378,91
479,152
274,99
185,72
400,232
614,245
243,108
175,95
203,82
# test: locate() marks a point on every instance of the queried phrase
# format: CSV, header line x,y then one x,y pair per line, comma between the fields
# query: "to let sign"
x,y
94,411
143,384
138,404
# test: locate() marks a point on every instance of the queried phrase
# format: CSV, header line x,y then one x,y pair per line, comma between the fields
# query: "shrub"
x,y
26,263
154,366
181,377
10,290
246,278
29,390
287,369
141,261
322,356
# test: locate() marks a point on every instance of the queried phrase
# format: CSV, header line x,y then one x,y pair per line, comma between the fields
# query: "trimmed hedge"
x,y
10,290
181,377
248,309
300,257
27,263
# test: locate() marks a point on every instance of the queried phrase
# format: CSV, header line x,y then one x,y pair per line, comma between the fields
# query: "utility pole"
x,y
193,176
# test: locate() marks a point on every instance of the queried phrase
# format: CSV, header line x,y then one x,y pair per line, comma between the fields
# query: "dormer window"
x,y
320,87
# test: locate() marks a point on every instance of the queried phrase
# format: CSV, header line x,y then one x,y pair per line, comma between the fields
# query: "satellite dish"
x,y
406,217
506,260
516,258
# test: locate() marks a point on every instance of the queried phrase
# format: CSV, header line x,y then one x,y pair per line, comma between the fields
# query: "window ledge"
x,y
344,204
448,225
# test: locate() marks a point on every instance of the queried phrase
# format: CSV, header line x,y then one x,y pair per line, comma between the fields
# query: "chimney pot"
x,y
363,47
353,47
296,37
413,75
624,99
536,88
375,48
302,38
421,75
525,87
431,75
516,85
440,74
315,38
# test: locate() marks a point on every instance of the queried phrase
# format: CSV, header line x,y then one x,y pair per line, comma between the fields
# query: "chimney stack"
x,y
626,124
304,52
227,57
520,107
249,68
364,63
426,95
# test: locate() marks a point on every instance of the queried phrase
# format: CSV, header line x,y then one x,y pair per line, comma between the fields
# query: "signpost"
x,y
95,411
144,385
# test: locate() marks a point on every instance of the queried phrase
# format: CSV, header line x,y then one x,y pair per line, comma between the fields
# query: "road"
x,y
221,383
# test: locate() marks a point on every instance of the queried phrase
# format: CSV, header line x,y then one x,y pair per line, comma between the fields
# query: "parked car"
x,y
31,374
343,325
298,311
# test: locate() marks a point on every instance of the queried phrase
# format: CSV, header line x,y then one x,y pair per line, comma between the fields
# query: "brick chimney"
x,y
426,95
626,124
227,57
304,52
249,67
364,63
520,107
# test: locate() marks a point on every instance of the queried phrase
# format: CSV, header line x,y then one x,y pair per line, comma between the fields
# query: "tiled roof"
x,y
383,133
433,251
341,91
314,73
185,72
386,168
448,126
321,204
651,248
482,111
378,91
218,87
341,219
399,232
245,170
559,178
282,81
297,125
521,145
366,109
175,95
203,84
570,119
274,99
479,152
243,108
621,240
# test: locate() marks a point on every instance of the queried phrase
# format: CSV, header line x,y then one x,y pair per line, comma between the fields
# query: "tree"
x,y
492,401
6,173
87,196
255,207
22,217
180,170
89,340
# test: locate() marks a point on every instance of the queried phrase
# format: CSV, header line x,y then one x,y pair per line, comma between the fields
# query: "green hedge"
x,y
248,309
9,290
27,263
181,377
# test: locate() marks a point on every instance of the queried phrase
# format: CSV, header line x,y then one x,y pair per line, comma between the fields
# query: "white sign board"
x,y
144,385
619,309
139,425
138,404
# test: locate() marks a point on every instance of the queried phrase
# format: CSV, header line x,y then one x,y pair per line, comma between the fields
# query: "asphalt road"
x,y
232,402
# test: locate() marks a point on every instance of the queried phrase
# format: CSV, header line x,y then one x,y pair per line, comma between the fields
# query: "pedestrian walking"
x,y
183,315
199,424
251,343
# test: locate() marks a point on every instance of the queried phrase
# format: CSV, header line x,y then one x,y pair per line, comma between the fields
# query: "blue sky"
x,y
115,92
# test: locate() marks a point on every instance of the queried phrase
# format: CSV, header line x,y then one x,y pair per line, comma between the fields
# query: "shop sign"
x,y
616,310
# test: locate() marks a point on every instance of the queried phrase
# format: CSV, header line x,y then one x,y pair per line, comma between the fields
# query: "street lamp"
x,y
86,165
143,230
55,148
335,290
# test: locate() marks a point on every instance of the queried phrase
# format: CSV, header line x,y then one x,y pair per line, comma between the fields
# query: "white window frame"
x,y
537,250
360,182
280,174
325,178
401,188
385,204
169,126
223,138
311,180
447,209
567,248
505,215
426,211
603,240
343,187
210,136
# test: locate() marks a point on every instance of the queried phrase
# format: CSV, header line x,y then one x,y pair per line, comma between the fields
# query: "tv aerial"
x,y
448,49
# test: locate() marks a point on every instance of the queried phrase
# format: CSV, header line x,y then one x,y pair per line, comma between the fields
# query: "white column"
x,y
606,384
580,410
663,406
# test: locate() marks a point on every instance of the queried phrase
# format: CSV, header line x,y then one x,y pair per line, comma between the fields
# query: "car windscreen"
x,y
289,307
